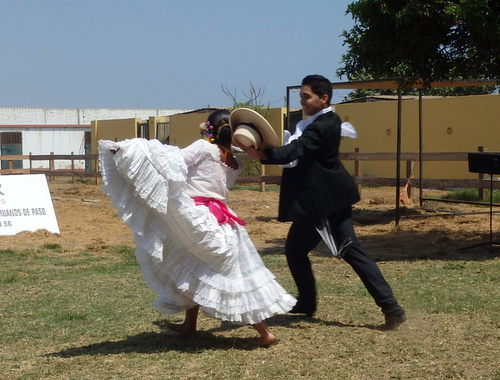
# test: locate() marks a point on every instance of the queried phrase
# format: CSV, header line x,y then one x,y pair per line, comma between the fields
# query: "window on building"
x,y
88,149
143,130
11,143
163,132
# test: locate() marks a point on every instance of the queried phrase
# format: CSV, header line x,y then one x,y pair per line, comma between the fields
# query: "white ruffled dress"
x,y
185,256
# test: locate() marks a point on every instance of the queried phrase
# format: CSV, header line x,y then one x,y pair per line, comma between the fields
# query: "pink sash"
x,y
219,209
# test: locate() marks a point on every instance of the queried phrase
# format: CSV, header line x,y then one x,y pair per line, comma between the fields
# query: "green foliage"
x,y
428,39
462,195
471,195
255,187
263,110
450,91
52,246
86,181
7,252
253,99
251,167
83,180
68,316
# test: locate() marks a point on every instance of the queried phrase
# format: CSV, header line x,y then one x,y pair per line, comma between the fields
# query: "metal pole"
x,y
491,212
398,155
287,108
420,147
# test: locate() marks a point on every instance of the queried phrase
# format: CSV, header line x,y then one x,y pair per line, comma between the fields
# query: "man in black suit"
x,y
319,187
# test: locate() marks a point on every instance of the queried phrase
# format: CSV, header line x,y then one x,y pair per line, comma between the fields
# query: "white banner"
x,y
26,204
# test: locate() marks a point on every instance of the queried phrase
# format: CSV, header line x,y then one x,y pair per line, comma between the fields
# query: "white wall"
x,y
60,140
75,116
61,130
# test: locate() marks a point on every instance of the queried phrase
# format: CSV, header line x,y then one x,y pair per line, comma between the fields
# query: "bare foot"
x,y
181,328
267,340
266,336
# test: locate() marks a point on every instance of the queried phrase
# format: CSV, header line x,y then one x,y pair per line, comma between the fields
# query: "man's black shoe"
x,y
394,318
301,309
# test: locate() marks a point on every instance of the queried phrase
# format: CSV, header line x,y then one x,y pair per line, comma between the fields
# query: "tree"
x,y
423,39
253,99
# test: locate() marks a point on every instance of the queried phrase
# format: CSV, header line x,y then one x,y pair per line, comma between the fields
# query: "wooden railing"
x,y
358,157
51,171
410,159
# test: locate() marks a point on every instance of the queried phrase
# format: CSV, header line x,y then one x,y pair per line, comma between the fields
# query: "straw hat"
x,y
252,129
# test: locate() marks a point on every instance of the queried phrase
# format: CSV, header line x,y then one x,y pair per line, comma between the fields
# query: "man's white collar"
x,y
346,129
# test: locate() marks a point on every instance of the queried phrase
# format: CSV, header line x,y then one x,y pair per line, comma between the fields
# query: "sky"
x,y
173,54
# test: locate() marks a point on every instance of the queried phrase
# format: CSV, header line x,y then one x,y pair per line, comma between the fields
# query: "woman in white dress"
x,y
194,252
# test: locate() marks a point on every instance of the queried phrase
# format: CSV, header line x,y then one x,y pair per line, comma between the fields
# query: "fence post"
x,y
357,170
262,174
72,168
51,165
481,176
96,169
409,173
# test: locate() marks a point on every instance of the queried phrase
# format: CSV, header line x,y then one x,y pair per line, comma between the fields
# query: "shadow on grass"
x,y
154,342
273,247
411,244
301,322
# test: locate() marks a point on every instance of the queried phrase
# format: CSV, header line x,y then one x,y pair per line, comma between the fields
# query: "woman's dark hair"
x,y
319,85
222,130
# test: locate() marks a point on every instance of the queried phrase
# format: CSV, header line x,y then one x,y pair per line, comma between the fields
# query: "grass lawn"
x,y
89,315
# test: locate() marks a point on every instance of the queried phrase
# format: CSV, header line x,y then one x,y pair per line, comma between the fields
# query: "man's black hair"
x,y
319,85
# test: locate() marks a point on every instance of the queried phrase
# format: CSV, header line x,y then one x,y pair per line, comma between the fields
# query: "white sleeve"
x,y
348,130
193,153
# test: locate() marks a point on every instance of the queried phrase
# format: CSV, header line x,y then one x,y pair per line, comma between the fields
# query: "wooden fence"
x,y
481,183
50,171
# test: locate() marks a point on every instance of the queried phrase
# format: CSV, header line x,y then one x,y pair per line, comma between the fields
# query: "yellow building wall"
x,y
275,117
450,124
115,130
185,127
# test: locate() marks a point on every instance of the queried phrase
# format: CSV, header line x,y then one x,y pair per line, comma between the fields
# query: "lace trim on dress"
x,y
186,257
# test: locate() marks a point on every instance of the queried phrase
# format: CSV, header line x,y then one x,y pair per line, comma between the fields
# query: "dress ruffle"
x,y
185,256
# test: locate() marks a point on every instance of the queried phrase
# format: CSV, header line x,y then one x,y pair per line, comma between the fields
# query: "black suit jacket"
x,y
319,185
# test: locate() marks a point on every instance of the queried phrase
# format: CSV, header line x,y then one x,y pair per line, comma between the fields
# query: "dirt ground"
x,y
438,230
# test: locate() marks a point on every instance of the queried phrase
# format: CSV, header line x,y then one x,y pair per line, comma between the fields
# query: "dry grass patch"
x,y
75,306
93,319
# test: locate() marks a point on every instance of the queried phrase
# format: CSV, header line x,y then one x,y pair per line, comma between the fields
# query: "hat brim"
x,y
247,115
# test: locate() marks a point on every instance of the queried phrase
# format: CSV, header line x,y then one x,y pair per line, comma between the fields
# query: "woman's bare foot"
x,y
267,340
266,336
184,329
188,327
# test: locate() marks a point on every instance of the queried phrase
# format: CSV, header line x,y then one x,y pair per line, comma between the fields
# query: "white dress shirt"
x,y
347,130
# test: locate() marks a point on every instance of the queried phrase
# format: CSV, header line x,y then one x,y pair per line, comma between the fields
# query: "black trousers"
x,y
303,237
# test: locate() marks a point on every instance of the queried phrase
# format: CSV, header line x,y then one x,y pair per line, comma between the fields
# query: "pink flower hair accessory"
x,y
207,131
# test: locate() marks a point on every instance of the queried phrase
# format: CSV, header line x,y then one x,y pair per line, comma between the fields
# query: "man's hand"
x,y
255,153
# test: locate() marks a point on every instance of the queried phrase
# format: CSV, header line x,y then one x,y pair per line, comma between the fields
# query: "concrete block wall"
x,y
75,116
62,130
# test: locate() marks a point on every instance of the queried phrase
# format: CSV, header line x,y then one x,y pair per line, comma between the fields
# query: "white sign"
x,y
25,204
